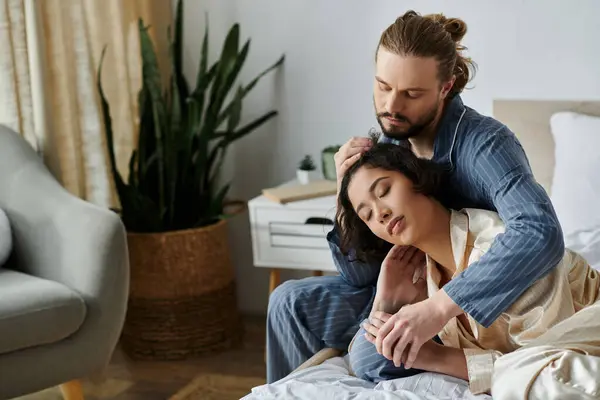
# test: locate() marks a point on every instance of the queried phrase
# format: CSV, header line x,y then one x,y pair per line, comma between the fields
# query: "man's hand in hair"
x,y
348,154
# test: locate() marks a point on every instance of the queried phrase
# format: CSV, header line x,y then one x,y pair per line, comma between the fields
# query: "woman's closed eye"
x,y
384,191
366,215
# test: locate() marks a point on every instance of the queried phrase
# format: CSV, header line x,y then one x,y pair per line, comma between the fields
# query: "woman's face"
x,y
388,204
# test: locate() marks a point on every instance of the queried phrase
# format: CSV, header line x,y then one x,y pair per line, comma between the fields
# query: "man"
x,y
420,74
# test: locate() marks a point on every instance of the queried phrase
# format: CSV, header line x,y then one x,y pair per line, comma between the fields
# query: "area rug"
x,y
104,390
218,387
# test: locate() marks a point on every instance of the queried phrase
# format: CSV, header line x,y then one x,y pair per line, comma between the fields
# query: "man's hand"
x,y
402,335
348,154
428,355
395,268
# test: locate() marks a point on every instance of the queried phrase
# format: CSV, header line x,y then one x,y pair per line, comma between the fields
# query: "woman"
x,y
546,345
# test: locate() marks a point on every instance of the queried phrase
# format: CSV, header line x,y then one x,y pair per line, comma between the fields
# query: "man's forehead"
x,y
401,71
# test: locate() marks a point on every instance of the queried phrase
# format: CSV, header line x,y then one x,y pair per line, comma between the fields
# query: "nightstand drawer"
x,y
292,238
299,229
299,242
295,216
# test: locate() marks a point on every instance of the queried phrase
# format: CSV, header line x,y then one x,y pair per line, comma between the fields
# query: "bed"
x,y
562,142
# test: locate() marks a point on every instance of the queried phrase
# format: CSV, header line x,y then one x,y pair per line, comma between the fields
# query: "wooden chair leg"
x,y
72,390
274,279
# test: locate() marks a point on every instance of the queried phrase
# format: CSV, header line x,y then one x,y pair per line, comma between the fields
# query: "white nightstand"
x,y
292,235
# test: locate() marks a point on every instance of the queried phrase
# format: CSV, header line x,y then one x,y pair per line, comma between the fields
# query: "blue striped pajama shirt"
x,y
488,170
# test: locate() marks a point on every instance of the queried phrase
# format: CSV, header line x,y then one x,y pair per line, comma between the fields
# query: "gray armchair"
x,y
63,292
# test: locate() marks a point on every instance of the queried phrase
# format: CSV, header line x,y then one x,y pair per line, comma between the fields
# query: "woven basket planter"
x,y
182,298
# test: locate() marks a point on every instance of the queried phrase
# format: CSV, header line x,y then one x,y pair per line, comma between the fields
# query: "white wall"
x,y
544,49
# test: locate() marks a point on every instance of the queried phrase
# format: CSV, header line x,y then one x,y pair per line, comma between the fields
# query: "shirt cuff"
x,y
333,236
453,291
480,366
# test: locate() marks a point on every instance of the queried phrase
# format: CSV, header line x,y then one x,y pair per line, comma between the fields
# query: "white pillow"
x,y
5,238
575,190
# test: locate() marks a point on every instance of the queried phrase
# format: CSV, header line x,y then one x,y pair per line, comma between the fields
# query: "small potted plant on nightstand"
x,y
306,170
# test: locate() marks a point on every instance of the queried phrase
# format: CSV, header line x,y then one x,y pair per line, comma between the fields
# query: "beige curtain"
x,y
16,108
66,38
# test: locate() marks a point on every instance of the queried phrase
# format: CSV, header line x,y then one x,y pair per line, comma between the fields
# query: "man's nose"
x,y
395,103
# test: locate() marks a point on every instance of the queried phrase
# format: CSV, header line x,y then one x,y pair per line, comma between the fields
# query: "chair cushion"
x,y
35,311
5,238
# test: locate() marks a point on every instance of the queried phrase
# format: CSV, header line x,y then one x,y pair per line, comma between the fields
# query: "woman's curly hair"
x,y
426,176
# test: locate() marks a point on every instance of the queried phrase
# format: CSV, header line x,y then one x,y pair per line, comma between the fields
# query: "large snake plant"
x,y
184,135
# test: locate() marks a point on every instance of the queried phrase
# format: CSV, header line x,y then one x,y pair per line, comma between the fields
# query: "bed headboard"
x,y
530,121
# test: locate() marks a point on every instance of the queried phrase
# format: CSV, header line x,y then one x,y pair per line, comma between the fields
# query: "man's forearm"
x,y
532,244
445,305
512,264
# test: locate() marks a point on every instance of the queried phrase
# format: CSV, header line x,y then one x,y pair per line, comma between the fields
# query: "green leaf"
x,y
153,82
248,88
233,73
108,128
230,74
145,113
172,147
230,137
182,84
132,166
149,162
203,55
266,71
216,206
141,213
236,111
227,62
216,158
200,95
246,129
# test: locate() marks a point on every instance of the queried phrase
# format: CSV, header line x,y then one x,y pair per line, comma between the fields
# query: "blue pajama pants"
x,y
307,315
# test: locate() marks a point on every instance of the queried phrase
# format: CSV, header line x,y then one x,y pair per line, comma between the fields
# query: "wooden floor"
x,y
126,379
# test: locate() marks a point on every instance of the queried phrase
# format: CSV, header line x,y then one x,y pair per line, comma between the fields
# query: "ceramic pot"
x,y
305,177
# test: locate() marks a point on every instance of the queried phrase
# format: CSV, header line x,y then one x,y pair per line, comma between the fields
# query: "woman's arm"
x,y
473,365
435,357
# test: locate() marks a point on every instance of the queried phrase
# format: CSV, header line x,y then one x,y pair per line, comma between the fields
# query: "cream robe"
x,y
552,332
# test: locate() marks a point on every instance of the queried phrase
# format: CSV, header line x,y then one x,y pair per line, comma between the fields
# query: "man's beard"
x,y
413,129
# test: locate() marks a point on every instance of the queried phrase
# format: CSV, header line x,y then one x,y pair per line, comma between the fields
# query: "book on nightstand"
x,y
296,191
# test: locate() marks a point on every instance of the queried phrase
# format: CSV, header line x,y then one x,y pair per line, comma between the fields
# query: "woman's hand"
x,y
394,277
401,336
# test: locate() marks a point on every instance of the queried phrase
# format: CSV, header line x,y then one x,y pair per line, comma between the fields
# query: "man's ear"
x,y
448,86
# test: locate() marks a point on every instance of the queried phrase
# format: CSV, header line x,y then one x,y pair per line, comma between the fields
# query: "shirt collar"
x,y
459,238
447,131
448,127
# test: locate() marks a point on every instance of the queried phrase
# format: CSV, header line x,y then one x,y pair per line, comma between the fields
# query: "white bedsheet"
x,y
331,380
